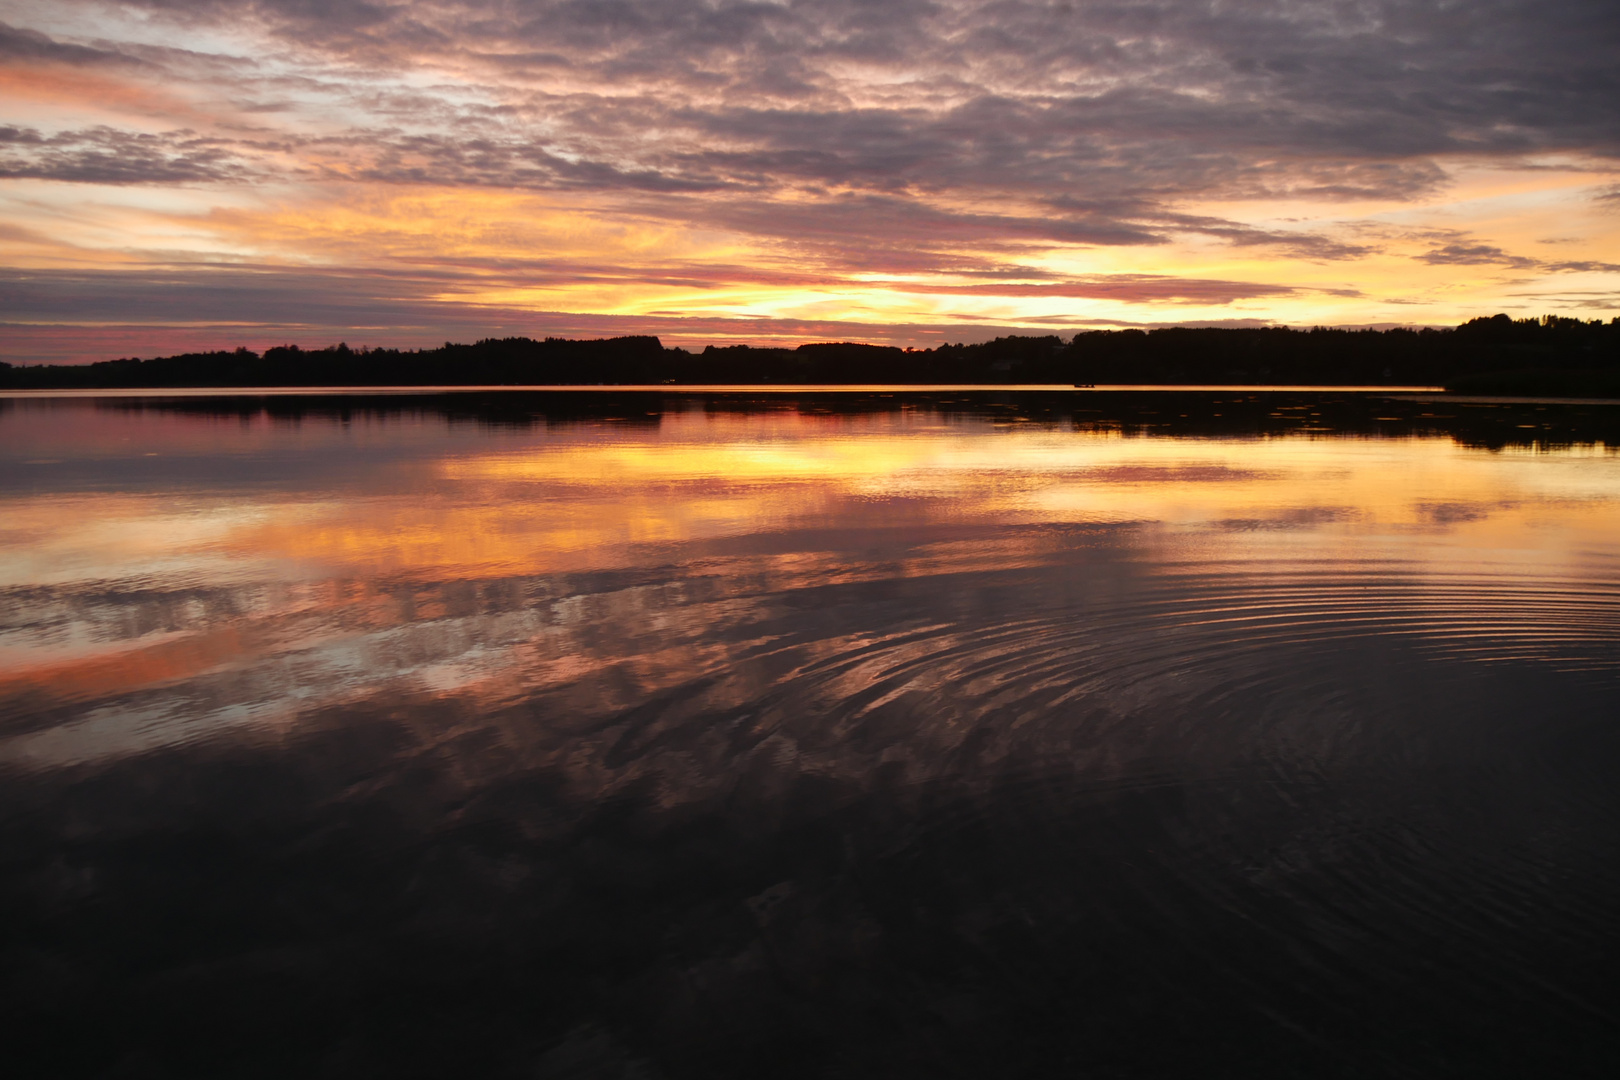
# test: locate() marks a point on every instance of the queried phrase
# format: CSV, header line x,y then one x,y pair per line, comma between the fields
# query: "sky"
x,y
199,174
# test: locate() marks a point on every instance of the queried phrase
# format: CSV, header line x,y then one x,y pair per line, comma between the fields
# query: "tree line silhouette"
x,y
1498,354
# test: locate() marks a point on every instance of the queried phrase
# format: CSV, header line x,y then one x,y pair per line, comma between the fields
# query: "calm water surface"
x,y
681,736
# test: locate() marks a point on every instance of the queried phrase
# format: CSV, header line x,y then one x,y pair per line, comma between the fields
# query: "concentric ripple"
x,y
883,745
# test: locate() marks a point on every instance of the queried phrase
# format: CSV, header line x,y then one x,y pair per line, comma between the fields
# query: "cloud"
x,y
24,45
1582,266
1594,300
1374,79
1474,255
316,297
105,155
948,107
1465,251
1001,148
217,306
1126,288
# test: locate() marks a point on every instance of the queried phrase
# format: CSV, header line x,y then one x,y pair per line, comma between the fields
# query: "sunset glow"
x,y
254,172
599,499
317,565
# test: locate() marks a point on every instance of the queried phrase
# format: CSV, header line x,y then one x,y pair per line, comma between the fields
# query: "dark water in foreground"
x,y
973,736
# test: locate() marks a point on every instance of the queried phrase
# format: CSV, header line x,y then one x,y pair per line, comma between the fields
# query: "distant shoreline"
x,y
1496,356
695,388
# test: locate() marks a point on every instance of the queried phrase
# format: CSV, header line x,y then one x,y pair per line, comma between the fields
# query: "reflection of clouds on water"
x,y
736,739
1040,623
1307,517
475,577
1452,513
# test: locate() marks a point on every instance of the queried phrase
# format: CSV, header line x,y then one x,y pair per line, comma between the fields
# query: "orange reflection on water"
x,y
450,561
595,497
69,674
567,504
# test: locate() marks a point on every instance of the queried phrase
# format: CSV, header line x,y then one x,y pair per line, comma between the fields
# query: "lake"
x,y
684,734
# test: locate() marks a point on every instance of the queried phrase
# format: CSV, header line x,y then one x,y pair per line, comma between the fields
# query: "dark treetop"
x,y
1496,355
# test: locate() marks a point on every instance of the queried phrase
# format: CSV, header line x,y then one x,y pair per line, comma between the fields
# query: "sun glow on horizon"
x,y
483,182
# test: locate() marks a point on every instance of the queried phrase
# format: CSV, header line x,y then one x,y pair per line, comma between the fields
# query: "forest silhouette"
x,y
1496,355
